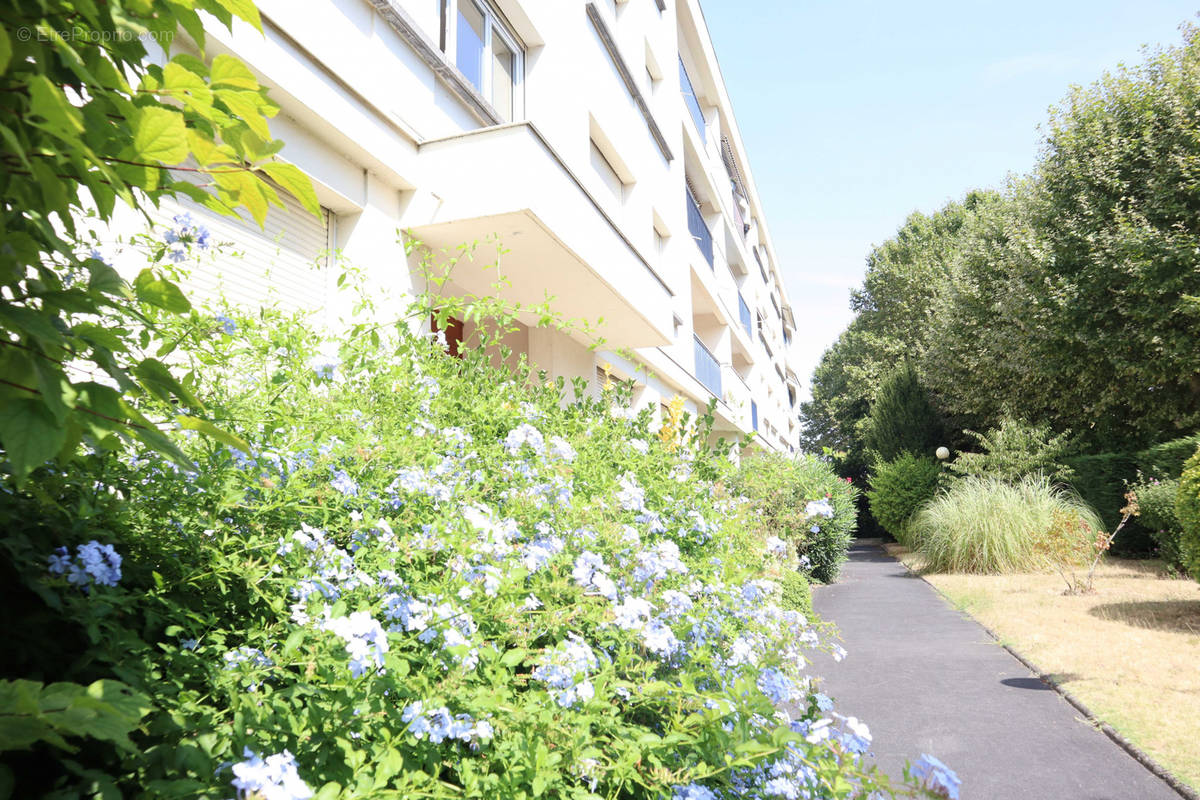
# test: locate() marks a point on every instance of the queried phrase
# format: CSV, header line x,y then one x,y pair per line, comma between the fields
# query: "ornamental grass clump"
x,y
988,526
403,574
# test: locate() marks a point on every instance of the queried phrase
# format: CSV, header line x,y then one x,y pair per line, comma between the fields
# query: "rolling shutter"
x,y
284,264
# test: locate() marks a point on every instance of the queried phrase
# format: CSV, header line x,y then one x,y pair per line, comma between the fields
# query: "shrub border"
x,y
1129,747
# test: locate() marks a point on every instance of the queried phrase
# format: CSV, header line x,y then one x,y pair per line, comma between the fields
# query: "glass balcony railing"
x,y
699,229
744,313
708,370
693,104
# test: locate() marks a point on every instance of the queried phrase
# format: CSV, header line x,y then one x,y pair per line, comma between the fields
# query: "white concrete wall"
x,y
359,102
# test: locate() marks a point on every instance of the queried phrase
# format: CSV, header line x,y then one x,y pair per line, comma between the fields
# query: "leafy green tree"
x,y
895,308
88,123
1120,212
902,418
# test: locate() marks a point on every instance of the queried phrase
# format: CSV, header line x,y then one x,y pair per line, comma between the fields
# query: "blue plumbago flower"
x,y
633,613
247,655
675,603
561,448
540,552
525,434
778,688
227,324
344,483
936,776
94,563
563,667
631,496
640,445
659,562
694,791
659,639
272,778
819,508
439,724
776,546
856,737
185,233
365,639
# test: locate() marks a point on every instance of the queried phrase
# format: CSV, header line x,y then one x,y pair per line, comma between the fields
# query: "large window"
x,y
485,52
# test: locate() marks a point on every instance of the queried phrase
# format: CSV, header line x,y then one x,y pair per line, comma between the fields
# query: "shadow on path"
x,y
928,679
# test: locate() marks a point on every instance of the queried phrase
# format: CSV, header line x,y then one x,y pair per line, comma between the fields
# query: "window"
x,y
689,97
485,52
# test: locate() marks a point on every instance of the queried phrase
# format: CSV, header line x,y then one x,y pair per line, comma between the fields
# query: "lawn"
x,y
1130,652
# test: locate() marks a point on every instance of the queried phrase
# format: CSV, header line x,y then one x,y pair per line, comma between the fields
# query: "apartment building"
x,y
593,140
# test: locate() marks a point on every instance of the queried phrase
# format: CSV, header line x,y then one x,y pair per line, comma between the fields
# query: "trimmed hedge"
x,y
1102,479
1187,507
1156,501
899,488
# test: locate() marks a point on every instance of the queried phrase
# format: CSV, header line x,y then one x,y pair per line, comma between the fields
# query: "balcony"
x,y
744,313
690,99
708,369
506,185
701,235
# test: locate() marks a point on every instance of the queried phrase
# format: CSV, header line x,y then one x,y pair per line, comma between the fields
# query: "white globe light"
x,y
943,453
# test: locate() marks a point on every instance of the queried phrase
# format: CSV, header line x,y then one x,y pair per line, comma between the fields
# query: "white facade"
x,y
563,130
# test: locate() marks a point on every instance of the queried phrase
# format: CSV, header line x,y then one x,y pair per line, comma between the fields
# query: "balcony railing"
x,y
699,229
744,313
708,370
693,104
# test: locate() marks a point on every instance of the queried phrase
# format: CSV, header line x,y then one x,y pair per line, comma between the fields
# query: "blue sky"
x,y
856,114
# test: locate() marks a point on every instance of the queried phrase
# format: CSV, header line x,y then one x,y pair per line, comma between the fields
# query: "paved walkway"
x,y
928,679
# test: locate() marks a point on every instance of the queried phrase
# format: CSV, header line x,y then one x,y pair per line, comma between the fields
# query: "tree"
x,y
88,123
902,419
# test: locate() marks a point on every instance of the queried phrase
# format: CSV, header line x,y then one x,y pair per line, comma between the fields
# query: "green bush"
x,y
1101,480
988,526
1014,451
900,487
902,419
802,501
1158,515
416,576
1187,508
796,593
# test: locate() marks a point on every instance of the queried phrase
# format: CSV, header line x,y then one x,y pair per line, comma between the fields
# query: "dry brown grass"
x,y
1130,652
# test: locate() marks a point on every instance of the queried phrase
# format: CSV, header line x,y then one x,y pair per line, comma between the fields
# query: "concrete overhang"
x,y
506,185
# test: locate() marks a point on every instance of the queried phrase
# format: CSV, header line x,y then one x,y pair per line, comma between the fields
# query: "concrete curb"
x,y
1129,747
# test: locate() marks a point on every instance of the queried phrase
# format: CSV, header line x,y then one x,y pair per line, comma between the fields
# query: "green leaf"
x,y
291,178
514,657
328,792
187,87
5,50
212,431
249,106
30,435
160,292
158,380
61,118
160,135
231,72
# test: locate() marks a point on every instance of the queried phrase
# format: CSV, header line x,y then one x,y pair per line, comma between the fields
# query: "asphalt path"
x,y
928,679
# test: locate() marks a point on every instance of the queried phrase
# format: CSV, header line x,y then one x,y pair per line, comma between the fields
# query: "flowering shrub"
x,y
421,577
801,500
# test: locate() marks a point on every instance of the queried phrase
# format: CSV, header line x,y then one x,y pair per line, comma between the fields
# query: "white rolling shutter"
x,y
284,264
